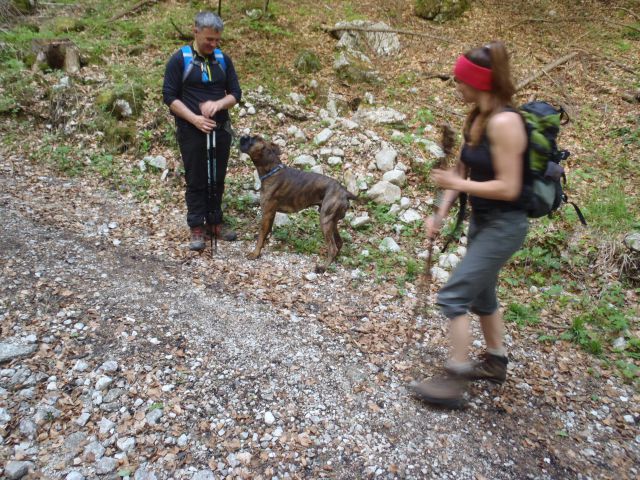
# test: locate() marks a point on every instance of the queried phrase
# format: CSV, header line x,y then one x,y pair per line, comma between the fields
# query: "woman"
x,y
490,171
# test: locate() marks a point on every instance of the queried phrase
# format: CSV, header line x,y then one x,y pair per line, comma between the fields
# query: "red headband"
x,y
472,74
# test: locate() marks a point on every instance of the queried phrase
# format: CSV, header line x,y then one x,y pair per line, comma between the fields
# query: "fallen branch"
x,y
571,20
621,66
630,12
182,35
546,69
133,9
384,30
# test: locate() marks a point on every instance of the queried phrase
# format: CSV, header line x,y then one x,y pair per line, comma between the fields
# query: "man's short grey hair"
x,y
209,20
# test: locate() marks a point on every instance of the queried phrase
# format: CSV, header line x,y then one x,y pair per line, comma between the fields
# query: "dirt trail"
x,y
245,385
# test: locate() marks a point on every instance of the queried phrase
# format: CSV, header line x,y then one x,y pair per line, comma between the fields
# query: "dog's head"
x,y
264,155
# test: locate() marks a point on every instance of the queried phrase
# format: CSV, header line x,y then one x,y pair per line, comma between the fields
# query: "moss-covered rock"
x,y
116,99
441,10
307,62
351,69
120,135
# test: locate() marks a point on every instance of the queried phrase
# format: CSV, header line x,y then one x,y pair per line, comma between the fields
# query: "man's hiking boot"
x,y
197,238
225,233
443,391
492,368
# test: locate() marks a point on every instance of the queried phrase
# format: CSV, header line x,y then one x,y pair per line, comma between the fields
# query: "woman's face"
x,y
466,92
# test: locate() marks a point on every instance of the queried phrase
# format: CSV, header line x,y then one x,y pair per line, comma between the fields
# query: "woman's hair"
x,y
493,56
209,20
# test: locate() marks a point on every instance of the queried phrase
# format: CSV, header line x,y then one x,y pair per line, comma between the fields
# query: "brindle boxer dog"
x,y
289,190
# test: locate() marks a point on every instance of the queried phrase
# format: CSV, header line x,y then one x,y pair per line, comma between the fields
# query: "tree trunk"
x,y
60,54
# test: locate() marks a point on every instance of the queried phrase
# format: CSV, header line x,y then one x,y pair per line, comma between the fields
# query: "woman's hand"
x,y
447,179
434,222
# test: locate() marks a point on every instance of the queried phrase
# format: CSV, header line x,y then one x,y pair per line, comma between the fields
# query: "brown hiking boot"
x,y
492,368
224,233
197,238
442,391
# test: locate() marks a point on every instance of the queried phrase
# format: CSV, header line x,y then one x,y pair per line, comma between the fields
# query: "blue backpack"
x,y
190,61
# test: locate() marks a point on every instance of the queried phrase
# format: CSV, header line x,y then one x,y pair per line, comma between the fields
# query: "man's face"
x,y
207,40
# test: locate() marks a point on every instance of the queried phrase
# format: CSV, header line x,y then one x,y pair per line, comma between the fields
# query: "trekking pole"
x,y
448,141
211,184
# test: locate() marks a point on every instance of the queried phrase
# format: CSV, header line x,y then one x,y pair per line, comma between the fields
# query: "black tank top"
x,y
478,159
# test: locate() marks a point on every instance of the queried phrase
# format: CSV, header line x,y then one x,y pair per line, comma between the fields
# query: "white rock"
x,y
106,465
81,366
103,382
385,159
323,137
74,475
126,444
382,115
311,276
395,209
304,161
334,160
620,343
388,244
153,416
629,419
244,458
410,216
317,169
397,177
281,219
167,388
449,260
183,440
203,475
360,221
251,110
109,366
105,425
83,419
93,450
337,152
439,274
14,469
402,167
461,250
269,419
405,202
384,192
5,416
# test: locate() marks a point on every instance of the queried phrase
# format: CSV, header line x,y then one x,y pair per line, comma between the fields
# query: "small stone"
x,y
106,465
74,475
81,366
311,276
11,351
5,416
105,425
183,440
410,216
388,244
109,366
28,428
360,221
203,475
269,419
304,161
629,419
334,161
83,419
103,383
323,136
281,219
14,469
385,159
93,451
397,177
126,444
317,169
153,416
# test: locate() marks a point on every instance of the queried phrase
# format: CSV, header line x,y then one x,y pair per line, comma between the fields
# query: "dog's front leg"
x,y
268,214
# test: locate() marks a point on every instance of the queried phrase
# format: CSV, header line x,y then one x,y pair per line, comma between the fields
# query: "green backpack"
x,y
542,191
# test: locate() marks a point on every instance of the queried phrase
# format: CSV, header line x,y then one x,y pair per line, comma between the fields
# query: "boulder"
x,y
441,10
384,192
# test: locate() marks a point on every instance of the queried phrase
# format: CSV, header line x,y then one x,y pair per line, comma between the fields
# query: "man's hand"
x,y
210,108
203,124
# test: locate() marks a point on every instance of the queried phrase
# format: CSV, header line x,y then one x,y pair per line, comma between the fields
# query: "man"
x,y
200,86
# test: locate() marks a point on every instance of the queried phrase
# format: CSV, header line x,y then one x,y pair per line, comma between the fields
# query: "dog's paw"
x,y
253,255
321,268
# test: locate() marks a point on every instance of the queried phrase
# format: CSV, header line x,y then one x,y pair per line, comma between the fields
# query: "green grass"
x,y
521,315
610,209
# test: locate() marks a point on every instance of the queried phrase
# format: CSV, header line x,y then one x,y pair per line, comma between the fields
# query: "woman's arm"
x,y
508,141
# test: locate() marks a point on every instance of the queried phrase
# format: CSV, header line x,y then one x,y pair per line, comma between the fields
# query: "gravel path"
x,y
130,364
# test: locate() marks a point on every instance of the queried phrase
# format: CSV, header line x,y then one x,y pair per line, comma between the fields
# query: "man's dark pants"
x,y
193,148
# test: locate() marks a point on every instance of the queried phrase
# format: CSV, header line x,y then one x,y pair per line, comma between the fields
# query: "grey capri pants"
x,y
494,236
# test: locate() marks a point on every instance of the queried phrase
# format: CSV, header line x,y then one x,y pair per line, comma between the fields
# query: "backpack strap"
x,y
189,60
187,57
217,53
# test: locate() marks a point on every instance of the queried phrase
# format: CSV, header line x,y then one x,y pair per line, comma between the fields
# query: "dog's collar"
x,y
273,171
